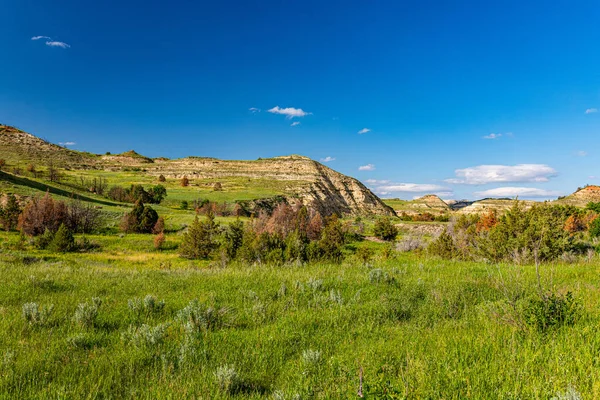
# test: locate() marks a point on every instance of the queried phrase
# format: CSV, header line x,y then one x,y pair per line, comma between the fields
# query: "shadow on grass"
x,y
22,181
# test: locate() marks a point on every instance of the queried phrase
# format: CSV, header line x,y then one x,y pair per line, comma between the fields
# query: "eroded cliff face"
x,y
314,184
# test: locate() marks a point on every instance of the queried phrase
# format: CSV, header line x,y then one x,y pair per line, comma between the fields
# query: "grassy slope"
x,y
432,332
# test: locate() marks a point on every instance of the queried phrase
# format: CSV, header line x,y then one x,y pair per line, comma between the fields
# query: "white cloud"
x,y
52,43
67,143
289,112
368,167
62,45
581,153
377,182
412,188
591,111
483,174
363,131
493,136
328,159
295,123
517,192
254,110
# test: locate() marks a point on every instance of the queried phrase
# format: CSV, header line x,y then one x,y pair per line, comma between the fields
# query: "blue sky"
x,y
467,99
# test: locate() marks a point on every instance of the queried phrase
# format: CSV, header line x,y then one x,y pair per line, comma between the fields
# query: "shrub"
x,y
184,205
217,187
332,239
159,227
159,241
141,219
595,228
228,379
35,315
410,243
551,310
198,317
384,229
233,238
41,214
86,313
9,214
364,254
200,240
63,240
185,182
145,336
162,178
2,163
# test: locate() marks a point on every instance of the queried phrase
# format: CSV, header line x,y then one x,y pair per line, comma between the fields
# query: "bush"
x,y
162,178
63,240
185,182
159,241
141,219
9,214
200,240
35,315
595,228
233,238
384,229
183,205
86,313
551,310
228,379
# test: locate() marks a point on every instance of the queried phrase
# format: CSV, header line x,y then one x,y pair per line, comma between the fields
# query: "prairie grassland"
x,y
417,327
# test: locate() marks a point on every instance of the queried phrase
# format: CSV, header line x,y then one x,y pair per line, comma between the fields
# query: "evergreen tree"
x,y
9,214
63,240
200,240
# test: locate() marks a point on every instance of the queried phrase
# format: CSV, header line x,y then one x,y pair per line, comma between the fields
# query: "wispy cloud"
x,y
377,182
52,43
483,174
363,131
581,153
328,159
67,143
412,188
591,111
295,123
368,167
517,192
289,112
493,136
254,110
386,187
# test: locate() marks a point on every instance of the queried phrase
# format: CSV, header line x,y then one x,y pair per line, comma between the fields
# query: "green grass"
x,y
420,328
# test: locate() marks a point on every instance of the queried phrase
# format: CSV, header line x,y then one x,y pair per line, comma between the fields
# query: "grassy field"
x,y
416,327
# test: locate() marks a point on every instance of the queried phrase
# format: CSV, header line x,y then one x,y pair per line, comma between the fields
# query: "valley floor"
x,y
415,327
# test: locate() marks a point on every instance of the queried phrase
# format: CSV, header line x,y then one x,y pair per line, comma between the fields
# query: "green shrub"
x,y
551,310
200,240
384,229
63,240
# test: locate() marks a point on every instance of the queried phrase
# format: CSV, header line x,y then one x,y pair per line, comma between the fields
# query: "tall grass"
x,y
418,328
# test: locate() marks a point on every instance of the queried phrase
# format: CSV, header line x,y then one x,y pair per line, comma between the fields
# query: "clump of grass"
x,y
569,394
198,317
228,379
311,359
86,313
145,307
145,336
378,275
315,285
36,315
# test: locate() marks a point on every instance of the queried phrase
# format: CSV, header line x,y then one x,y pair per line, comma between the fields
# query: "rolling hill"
x,y
296,179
